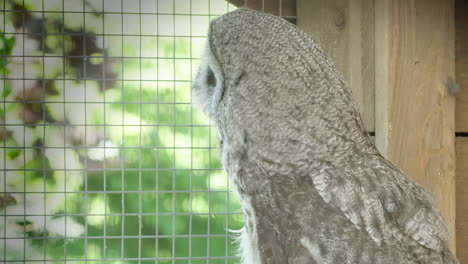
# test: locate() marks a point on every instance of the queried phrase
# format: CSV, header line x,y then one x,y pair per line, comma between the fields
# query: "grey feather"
x,y
313,187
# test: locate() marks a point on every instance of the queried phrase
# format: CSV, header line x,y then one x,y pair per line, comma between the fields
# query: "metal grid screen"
x,y
103,158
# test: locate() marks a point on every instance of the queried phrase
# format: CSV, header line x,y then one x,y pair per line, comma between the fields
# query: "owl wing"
x,y
382,201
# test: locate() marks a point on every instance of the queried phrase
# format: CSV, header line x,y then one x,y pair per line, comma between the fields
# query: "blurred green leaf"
x,y
39,168
9,44
6,49
13,153
6,90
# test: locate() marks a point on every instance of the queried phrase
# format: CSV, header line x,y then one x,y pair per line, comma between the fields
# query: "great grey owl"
x,y
313,187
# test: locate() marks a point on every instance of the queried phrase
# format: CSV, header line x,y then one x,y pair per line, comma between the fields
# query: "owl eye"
x,y
210,78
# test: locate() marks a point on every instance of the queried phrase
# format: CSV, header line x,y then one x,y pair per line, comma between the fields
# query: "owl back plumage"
x,y
313,186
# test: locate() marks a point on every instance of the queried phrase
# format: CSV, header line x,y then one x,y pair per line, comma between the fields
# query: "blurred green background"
x,y
103,157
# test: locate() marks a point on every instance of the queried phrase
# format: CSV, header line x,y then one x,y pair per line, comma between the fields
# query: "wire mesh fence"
x,y
103,158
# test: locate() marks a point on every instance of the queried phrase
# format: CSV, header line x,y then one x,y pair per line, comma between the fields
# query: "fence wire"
x,y
103,157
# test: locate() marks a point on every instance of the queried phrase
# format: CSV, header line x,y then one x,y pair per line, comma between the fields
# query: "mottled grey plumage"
x,y
313,187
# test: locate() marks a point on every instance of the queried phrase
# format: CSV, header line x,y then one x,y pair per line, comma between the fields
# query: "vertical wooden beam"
x,y
420,111
362,58
462,198
461,57
345,30
382,50
461,123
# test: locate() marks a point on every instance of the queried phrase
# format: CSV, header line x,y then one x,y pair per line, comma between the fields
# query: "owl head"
x,y
263,79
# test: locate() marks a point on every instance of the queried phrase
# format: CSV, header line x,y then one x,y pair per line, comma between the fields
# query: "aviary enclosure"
x,y
104,159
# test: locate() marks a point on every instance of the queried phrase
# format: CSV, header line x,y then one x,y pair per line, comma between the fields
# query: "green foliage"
x,y
38,169
6,48
159,175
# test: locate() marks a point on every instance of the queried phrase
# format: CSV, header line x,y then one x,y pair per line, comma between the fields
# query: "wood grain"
x,y
461,123
421,125
345,30
285,8
461,57
382,50
362,58
462,198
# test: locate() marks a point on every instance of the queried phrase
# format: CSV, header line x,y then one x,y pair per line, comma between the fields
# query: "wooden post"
x,y
461,20
413,43
462,198
421,121
382,44
461,123
419,111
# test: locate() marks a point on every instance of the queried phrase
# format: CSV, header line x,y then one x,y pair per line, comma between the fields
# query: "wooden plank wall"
x,y
421,117
345,30
413,44
461,17
462,198
461,123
